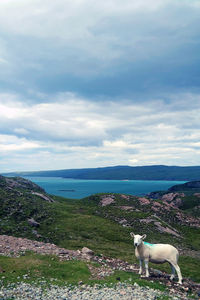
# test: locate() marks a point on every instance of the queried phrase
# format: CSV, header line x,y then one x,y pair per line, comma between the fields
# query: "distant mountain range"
x,y
156,172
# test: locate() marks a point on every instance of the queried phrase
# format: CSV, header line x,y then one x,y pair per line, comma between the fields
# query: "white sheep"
x,y
156,253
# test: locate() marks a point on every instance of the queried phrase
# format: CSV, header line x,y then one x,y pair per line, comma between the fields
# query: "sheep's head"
x,y
137,238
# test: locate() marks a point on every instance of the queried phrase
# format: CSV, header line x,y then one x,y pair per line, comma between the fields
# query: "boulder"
x,y
33,223
87,253
44,197
144,201
107,201
166,229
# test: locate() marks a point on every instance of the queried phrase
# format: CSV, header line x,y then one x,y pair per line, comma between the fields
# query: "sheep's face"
x,y
138,239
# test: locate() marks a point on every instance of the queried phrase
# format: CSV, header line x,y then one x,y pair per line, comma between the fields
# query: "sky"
x,y
87,83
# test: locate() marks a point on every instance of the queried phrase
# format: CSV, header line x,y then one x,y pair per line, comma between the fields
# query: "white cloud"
x,y
22,131
11,143
74,132
50,18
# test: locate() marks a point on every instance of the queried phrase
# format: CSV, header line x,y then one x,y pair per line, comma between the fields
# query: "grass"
x,y
33,268
127,277
74,224
191,237
188,266
190,202
163,297
47,270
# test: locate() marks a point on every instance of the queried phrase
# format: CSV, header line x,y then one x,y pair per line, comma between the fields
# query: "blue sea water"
x,y
78,188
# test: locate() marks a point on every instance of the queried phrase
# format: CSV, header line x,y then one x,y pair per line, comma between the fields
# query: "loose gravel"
x,y
24,291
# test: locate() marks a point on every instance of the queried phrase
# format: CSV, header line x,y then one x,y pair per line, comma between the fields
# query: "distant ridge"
x,y
154,172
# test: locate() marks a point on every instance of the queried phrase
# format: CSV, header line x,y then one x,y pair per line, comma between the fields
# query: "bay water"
x,y
79,188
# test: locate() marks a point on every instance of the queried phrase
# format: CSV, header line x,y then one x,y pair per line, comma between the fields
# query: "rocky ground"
x,y
121,291
12,246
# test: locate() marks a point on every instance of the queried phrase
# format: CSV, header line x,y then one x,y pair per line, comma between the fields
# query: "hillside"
x,y
101,222
123,172
192,186
26,210
24,205
183,196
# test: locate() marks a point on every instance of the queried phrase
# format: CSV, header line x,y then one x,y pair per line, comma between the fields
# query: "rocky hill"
x,y
184,196
101,222
24,205
26,210
161,220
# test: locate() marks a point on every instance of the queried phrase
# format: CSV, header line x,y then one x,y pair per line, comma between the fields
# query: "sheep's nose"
x,y
136,244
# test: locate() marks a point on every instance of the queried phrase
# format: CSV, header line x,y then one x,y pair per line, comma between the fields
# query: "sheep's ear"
x,y
132,234
144,236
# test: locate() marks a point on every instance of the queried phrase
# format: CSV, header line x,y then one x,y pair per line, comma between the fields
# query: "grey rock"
x,y
33,223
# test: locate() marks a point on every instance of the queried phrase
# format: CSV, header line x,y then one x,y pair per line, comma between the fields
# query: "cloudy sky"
x,y
87,83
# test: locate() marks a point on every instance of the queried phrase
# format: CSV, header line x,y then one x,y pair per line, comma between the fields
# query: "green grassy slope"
x,y
74,224
47,270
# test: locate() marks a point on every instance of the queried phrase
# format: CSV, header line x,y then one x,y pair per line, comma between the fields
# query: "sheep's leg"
x,y
140,270
173,272
178,271
146,263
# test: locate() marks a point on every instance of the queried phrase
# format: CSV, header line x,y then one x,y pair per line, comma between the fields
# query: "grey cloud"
x,y
102,49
